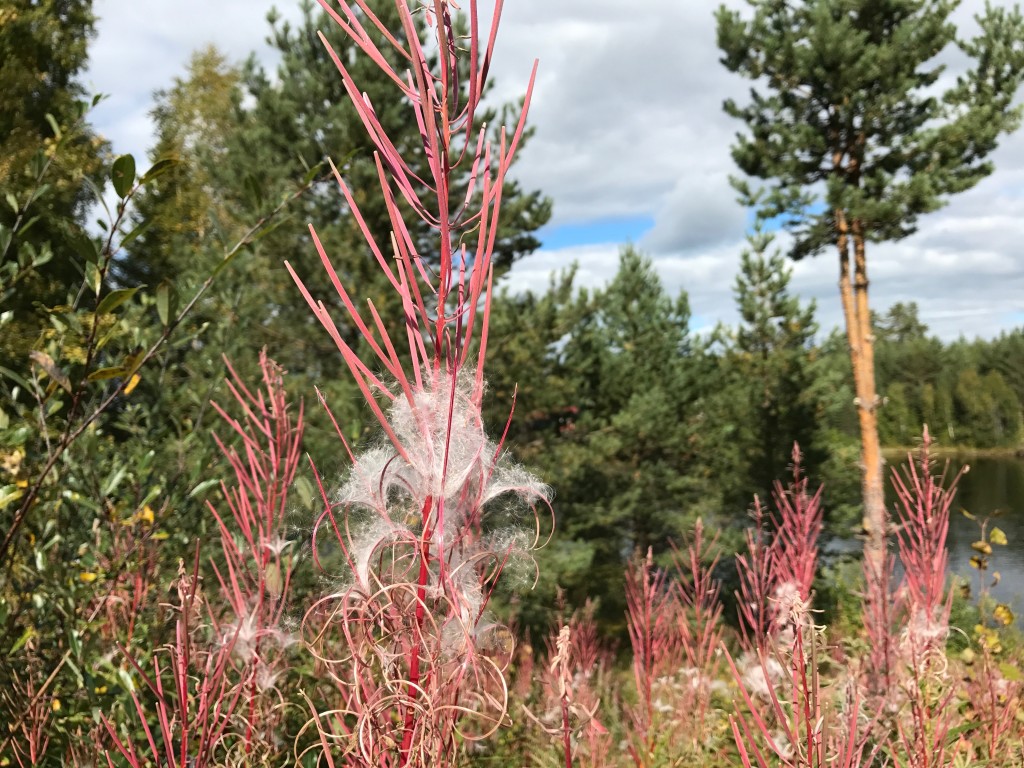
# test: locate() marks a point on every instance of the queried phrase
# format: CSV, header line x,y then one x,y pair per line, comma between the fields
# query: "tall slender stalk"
x,y
402,638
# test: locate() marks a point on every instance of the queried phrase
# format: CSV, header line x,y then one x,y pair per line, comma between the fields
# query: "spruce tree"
x,y
627,473
771,365
853,143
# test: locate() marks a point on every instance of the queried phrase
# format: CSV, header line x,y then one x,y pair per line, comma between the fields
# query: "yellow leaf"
x,y
982,546
161,535
55,705
100,689
997,537
978,562
21,483
146,514
87,576
9,494
1003,614
133,382
10,462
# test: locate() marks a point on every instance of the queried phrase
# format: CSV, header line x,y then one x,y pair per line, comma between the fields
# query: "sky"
x,y
632,145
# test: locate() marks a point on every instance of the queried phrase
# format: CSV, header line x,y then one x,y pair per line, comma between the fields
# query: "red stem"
x,y
414,661
566,732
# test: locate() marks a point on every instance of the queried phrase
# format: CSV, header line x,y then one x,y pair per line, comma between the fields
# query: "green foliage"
x,y
47,152
607,405
968,393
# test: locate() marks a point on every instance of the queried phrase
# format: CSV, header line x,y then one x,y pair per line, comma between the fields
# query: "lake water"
x,y
994,487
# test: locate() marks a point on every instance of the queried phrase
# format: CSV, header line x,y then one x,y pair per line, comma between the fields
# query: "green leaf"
x,y
53,126
13,202
26,254
9,494
132,362
115,299
93,278
75,642
114,480
166,302
123,175
82,500
223,264
5,238
97,194
998,537
967,514
85,247
203,487
312,173
45,254
16,378
136,231
25,637
1011,672
102,374
305,491
954,733
161,166
272,579
41,190
125,679
27,225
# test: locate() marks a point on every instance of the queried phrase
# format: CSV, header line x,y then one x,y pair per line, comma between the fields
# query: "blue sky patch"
x,y
618,230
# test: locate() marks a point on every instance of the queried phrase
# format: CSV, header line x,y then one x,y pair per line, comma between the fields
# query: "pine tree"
x,y
854,143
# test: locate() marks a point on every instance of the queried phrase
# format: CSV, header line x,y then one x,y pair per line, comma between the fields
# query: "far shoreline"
x,y
955,452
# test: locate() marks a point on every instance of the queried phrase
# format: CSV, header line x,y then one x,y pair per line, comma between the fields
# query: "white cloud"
x,y
628,119
140,47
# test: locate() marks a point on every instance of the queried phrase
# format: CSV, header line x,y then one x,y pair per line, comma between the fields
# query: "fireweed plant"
x,y
788,715
417,663
214,687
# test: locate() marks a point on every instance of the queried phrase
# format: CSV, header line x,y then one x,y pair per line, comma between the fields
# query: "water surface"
x,y
993,488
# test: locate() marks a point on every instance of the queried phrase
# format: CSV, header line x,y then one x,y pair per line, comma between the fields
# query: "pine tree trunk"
x,y
853,288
